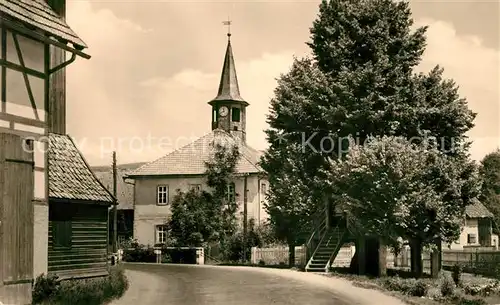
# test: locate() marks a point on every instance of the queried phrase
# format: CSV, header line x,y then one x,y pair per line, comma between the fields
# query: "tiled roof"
x,y
124,191
38,13
190,159
70,176
477,210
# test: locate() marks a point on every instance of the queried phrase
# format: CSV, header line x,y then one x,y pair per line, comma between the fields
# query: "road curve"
x,y
167,284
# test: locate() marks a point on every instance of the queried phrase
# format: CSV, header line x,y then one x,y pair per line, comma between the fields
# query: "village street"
x,y
196,285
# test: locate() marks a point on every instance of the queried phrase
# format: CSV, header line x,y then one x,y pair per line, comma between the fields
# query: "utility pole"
x,y
115,250
245,221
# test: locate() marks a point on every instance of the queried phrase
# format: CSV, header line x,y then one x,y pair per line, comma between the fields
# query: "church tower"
x,y
228,107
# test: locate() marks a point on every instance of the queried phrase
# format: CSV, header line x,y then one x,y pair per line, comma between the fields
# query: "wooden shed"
x,y
78,213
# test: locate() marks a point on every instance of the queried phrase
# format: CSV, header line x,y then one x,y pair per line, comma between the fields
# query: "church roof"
x,y
190,159
229,89
38,13
70,177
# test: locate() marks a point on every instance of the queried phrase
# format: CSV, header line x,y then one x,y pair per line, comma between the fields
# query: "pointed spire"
x,y
228,87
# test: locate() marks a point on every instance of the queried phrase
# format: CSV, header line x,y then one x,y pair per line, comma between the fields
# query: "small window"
x,y
263,189
60,217
235,128
471,239
231,192
235,114
161,234
62,233
195,187
162,195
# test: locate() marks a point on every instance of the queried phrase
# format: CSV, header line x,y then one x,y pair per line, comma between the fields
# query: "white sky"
x,y
156,64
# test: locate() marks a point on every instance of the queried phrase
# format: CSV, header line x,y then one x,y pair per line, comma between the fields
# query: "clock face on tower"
x,y
223,111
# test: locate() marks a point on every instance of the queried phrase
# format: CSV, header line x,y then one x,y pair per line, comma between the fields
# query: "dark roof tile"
x,y
477,210
38,13
70,176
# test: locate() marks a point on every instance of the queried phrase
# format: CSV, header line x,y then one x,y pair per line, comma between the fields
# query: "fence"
x,y
279,255
482,262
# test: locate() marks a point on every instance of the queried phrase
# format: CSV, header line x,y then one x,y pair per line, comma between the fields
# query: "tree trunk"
x,y
416,258
291,254
382,259
436,260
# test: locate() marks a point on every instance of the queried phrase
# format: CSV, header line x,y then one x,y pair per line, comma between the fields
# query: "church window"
x,y
162,194
235,114
231,192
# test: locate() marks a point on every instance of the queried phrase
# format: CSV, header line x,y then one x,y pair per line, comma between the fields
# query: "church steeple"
x,y
228,107
229,90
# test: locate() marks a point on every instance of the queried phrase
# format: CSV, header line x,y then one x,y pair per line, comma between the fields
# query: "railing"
x,y
340,231
319,223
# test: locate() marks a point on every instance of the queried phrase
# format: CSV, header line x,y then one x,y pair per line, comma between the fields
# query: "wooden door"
x,y
16,215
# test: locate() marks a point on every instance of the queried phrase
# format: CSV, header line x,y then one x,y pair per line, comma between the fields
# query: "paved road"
x,y
206,285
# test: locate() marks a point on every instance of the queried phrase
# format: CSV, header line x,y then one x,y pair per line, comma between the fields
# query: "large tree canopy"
x,y
394,188
359,82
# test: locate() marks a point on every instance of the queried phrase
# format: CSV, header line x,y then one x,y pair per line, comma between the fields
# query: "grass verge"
x,y
428,291
48,290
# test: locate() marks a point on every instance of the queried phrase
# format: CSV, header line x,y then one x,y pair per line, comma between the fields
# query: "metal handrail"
x,y
318,227
340,236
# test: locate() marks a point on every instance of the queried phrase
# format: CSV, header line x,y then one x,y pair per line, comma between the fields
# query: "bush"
x,y
45,286
481,289
456,274
93,291
139,254
411,287
447,287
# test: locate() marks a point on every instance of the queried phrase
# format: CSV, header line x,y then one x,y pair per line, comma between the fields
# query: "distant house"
x,y
78,214
477,230
156,183
124,196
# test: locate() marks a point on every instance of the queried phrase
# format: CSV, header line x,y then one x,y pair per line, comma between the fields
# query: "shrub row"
x,y
49,290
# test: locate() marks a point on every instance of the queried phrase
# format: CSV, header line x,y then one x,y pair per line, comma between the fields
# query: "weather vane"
x,y
228,23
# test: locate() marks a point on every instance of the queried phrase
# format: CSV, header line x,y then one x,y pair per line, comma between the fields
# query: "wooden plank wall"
x,y
16,215
87,255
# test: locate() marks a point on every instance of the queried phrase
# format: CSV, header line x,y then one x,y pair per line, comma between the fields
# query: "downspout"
x,y
245,215
258,198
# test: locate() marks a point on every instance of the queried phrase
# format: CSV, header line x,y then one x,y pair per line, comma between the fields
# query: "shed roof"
x,y
70,176
477,210
39,14
190,159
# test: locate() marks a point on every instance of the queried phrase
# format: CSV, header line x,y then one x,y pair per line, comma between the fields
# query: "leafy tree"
x,y
191,223
200,217
289,203
490,194
405,190
359,82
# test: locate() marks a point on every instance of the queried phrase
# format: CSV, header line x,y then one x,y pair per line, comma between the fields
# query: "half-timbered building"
x,y
34,40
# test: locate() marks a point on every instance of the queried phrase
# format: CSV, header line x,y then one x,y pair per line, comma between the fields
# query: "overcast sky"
x,y
156,64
